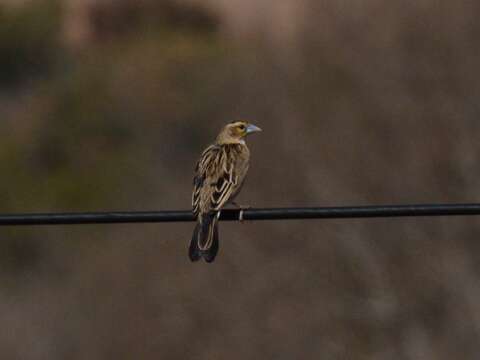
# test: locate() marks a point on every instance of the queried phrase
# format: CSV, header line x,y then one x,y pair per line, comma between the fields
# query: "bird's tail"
x,y
204,241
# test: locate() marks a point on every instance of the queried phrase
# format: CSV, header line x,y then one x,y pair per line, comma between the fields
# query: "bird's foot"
x,y
242,208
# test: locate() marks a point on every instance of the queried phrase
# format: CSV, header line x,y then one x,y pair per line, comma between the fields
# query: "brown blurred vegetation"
x,y
106,105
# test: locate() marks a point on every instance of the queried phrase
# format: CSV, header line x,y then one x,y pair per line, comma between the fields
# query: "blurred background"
x,y
107,104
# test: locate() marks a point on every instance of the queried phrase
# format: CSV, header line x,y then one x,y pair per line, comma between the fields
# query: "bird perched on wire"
x,y
219,176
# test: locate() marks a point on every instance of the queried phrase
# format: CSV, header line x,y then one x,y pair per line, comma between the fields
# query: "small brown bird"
x,y
219,176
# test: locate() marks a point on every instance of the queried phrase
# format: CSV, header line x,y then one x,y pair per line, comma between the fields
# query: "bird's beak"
x,y
253,129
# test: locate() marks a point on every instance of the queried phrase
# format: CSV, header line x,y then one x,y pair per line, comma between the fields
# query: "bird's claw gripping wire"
x,y
242,209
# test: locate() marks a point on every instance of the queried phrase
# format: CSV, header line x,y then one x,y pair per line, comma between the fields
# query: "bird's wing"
x,y
225,185
199,180
215,179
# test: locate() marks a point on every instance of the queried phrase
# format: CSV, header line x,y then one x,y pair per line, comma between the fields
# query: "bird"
x,y
219,175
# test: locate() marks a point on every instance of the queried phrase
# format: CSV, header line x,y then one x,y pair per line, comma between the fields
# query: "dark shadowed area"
x,y
107,105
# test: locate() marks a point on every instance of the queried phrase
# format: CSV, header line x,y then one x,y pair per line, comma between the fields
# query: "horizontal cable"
x,y
382,211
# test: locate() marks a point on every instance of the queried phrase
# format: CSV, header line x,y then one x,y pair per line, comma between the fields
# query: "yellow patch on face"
x,y
239,129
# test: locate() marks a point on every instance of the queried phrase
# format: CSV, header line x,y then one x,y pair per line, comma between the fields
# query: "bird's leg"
x,y
242,208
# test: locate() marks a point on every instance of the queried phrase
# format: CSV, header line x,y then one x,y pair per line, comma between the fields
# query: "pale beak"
x,y
253,129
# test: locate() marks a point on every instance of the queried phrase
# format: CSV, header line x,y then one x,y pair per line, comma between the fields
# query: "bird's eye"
x,y
242,127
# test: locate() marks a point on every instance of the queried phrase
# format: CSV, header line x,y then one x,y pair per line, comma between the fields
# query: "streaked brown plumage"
x,y
219,176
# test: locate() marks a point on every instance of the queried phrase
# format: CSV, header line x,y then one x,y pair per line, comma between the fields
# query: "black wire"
x,y
381,211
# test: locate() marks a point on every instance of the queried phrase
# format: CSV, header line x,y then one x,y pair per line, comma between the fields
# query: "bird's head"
x,y
236,131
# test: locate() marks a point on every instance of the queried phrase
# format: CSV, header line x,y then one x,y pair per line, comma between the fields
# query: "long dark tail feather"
x,y
209,255
193,250
204,241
